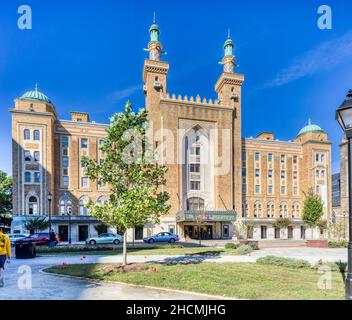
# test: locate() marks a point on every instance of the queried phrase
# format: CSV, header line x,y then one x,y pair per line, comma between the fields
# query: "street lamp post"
x,y
50,197
344,117
69,228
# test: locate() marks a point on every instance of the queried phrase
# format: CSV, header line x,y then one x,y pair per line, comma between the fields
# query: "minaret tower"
x,y
229,90
229,59
154,74
154,46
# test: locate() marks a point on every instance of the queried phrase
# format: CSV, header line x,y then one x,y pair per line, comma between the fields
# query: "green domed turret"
x,y
154,31
228,46
310,128
36,95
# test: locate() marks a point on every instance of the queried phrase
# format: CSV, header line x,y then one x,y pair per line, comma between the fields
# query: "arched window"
x,y
283,210
102,199
36,156
36,135
32,205
65,205
295,210
83,211
245,210
195,204
27,134
270,210
257,209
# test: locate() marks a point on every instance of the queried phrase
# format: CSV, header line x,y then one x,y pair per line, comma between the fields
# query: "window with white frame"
x,y
83,211
65,205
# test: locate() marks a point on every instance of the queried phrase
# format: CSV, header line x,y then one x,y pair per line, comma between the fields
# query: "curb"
x,y
212,297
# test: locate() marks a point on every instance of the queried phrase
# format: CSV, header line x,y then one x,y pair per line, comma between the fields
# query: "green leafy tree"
x,y
131,171
36,224
312,210
5,199
282,223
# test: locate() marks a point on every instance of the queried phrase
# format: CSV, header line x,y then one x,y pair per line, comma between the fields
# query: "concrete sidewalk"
x,y
51,287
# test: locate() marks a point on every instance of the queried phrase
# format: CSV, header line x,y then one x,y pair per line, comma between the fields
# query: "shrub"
x,y
254,245
338,244
333,266
282,223
244,249
284,262
231,246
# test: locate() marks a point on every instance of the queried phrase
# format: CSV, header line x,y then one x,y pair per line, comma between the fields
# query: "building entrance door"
x,y
290,232
63,233
82,233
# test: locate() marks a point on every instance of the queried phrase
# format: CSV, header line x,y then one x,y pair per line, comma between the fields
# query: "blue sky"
x,y
88,56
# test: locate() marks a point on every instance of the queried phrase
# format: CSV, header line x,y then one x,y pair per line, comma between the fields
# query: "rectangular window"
x,y
244,188
295,191
270,174
257,188
101,142
27,156
84,181
65,181
283,190
65,171
36,156
83,165
270,157
257,173
195,185
317,157
194,167
64,142
282,158
270,189
65,162
256,156
37,177
283,174
294,160
244,156
84,143
27,177
195,151
294,175
65,152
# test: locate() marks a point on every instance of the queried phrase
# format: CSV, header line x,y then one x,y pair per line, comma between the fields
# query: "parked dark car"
x,y
41,239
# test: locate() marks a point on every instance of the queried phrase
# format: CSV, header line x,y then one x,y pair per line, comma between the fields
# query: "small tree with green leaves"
x,y
282,223
5,199
36,224
131,171
312,210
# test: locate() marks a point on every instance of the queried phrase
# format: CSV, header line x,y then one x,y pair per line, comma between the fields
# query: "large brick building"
x,y
212,169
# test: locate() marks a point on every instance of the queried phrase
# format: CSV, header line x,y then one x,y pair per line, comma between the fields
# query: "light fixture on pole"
x,y
344,117
50,197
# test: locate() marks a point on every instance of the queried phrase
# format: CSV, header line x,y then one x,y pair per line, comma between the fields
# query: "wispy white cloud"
x,y
323,57
126,92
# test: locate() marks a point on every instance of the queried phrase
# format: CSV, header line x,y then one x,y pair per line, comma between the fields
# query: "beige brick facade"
x,y
212,169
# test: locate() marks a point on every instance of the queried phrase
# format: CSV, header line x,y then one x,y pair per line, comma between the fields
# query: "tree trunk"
x,y
124,262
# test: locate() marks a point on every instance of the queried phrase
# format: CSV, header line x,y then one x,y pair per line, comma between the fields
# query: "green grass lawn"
x,y
159,250
237,280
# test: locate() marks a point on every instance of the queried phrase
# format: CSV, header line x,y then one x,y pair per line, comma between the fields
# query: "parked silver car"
x,y
162,237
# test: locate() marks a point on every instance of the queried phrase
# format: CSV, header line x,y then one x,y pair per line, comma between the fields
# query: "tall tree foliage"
x,y
5,199
131,171
313,209
36,224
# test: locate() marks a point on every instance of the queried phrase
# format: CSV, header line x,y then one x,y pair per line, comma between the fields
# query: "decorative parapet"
x,y
191,100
